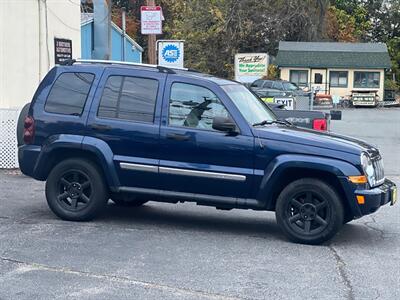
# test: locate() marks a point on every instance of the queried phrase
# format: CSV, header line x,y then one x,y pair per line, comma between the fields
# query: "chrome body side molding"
x,y
183,172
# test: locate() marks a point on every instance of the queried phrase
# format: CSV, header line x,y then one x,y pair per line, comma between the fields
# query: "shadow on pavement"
x,y
172,217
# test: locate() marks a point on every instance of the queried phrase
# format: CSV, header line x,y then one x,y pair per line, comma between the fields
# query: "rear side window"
x,y
257,83
69,93
267,84
129,98
277,85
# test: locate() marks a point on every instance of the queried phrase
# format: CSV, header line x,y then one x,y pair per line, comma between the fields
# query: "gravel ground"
x,y
184,251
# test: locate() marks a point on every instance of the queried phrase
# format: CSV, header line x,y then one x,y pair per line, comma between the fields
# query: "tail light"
x,y
29,130
320,124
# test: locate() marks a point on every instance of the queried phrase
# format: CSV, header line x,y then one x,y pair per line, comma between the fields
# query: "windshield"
x,y
248,104
290,86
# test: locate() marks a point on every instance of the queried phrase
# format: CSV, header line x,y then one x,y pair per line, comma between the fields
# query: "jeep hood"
x,y
313,138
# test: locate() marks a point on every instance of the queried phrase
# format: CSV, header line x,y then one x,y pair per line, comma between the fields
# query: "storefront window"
x,y
299,77
338,78
366,79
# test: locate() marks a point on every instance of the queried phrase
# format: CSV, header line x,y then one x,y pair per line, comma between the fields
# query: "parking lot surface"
x,y
184,251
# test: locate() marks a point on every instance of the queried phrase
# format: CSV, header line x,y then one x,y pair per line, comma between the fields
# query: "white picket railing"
x,y
8,138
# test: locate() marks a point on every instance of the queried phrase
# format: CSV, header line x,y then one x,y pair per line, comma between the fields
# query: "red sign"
x,y
151,19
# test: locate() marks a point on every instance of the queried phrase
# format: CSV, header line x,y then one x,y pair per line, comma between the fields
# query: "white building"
x,y
29,30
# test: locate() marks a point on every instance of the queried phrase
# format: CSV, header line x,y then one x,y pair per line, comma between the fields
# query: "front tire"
x,y
75,190
309,211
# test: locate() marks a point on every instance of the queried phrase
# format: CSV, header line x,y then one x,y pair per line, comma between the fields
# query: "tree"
x,y
214,30
376,21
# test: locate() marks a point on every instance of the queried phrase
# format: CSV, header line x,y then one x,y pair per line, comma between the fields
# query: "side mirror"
x,y
224,124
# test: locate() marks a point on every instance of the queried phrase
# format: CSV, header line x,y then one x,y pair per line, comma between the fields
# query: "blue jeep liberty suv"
x,y
100,130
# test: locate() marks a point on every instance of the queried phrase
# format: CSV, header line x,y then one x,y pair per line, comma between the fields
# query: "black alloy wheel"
x,y
309,211
76,190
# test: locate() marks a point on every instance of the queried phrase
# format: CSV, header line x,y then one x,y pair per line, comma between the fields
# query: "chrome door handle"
x,y
178,137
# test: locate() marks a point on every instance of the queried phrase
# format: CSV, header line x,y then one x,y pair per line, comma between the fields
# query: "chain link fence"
x,y
304,102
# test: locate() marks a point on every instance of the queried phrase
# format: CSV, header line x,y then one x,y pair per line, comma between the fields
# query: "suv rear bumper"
x,y
27,158
376,197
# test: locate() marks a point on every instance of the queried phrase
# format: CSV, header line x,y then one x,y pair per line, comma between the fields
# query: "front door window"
x,y
194,106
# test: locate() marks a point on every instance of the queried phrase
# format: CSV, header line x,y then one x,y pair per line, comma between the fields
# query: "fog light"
x,y
360,199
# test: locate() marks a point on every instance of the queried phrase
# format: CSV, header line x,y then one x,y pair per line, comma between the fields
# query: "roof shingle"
x,y
333,55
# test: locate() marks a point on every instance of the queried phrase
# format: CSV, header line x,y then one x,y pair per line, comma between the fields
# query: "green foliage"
x,y
376,21
215,30
391,85
272,72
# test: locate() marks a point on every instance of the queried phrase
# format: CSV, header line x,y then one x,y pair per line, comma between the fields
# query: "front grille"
x,y
378,169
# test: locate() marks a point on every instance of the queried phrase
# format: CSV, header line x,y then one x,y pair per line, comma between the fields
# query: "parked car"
x,y
131,133
311,119
277,101
289,88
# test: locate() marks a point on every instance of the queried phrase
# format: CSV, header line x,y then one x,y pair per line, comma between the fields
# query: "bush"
x,y
391,85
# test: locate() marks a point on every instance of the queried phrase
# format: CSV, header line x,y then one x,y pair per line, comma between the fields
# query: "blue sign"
x,y
171,53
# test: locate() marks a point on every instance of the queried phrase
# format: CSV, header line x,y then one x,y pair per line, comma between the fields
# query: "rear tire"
x,y
75,190
309,211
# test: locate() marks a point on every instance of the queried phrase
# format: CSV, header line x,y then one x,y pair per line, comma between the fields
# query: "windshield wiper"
x,y
266,122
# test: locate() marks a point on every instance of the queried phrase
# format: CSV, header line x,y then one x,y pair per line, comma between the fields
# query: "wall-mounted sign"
x,y
170,53
62,50
151,19
250,66
288,102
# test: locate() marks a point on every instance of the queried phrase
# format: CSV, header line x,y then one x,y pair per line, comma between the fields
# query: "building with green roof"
x,y
334,68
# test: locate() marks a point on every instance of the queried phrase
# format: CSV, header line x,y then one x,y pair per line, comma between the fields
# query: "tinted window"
x,y
288,86
277,85
68,94
267,84
194,106
257,83
129,98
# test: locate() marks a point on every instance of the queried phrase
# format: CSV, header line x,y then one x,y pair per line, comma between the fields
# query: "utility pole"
x,y
151,41
123,56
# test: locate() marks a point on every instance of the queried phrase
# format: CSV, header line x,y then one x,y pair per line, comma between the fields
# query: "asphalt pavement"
x,y
184,251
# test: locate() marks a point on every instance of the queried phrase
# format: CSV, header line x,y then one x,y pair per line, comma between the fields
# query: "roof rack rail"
x,y
162,69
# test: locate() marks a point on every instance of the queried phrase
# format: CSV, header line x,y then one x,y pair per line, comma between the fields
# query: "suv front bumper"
x,y
376,197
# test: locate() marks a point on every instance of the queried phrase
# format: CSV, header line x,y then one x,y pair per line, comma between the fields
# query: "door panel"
x,y
194,158
123,120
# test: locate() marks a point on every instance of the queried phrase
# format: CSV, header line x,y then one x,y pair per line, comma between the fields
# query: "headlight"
x,y
368,168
